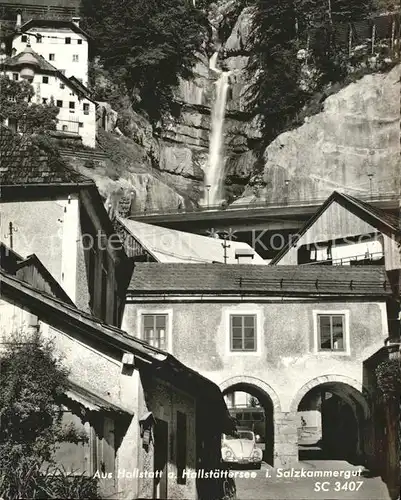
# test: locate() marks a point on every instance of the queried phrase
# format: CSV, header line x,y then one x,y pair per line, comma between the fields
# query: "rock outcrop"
x,y
356,135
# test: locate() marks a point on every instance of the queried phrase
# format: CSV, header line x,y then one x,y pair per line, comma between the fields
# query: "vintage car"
x,y
241,449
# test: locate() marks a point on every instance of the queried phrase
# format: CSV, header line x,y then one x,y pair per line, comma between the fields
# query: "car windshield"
x,y
248,435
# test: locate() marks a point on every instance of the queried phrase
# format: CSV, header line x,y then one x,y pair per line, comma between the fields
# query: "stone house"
x,y
61,42
77,110
143,411
294,337
50,210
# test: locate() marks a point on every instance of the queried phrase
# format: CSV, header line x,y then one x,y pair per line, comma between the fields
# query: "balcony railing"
x,y
363,259
68,126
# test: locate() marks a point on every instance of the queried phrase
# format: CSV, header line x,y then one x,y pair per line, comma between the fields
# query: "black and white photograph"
x,y
200,249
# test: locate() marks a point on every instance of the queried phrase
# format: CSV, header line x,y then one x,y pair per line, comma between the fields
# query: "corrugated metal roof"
x,y
170,245
151,278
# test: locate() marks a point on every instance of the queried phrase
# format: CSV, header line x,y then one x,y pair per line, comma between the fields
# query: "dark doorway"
x,y
160,459
330,423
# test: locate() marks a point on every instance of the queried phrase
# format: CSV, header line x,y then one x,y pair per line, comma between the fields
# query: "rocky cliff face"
x,y
356,135
162,167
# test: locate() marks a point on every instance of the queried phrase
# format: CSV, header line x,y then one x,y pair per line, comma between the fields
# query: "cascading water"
x,y
214,169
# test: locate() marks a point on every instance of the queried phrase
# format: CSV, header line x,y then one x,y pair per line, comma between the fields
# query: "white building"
x,y
77,115
63,43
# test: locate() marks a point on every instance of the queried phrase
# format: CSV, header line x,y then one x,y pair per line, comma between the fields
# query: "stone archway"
x,y
325,379
267,411
333,413
253,382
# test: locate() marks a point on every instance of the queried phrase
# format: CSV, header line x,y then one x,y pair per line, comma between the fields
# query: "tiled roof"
x,y
53,23
40,61
23,163
45,66
169,245
155,278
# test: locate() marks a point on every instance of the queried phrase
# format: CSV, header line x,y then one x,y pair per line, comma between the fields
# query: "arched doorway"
x,y
331,422
253,408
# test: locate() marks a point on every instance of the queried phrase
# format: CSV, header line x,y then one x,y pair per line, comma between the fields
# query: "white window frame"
x,y
227,330
156,312
316,333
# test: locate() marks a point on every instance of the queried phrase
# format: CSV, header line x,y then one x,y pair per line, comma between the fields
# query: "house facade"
x,y
60,42
293,338
49,210
345,231
77,111
144,412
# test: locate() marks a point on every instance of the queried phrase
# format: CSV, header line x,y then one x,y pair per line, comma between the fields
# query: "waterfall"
x,y
214,170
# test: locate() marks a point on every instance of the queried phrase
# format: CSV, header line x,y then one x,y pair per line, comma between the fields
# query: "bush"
x,y
32,383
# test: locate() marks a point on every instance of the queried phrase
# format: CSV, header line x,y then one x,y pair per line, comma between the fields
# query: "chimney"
x,y
19,22
76,20
244,255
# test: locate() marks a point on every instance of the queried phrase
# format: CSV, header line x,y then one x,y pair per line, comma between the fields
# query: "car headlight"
x,y
257,453
227,453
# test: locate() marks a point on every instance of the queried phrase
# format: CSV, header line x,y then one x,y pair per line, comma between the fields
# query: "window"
x,y
39,38
62,86
59,104
52,57
44,100
81,125
86,108
331,332
15,76
181,455
71,105
79,41
45,79
243,332
154,329
68,40
65,128
75,58
24,38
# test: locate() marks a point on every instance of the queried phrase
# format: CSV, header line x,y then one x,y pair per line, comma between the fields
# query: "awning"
x,y
92,401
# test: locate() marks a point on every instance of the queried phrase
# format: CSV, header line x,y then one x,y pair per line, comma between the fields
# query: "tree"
x,y
273,66
32,381
16,106
147,45
298,48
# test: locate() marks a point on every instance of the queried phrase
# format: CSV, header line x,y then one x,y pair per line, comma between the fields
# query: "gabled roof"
x,y
60,315
380,220
21,268
44,66
169,245
52,23
55,289
17,60
154,279
25,164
